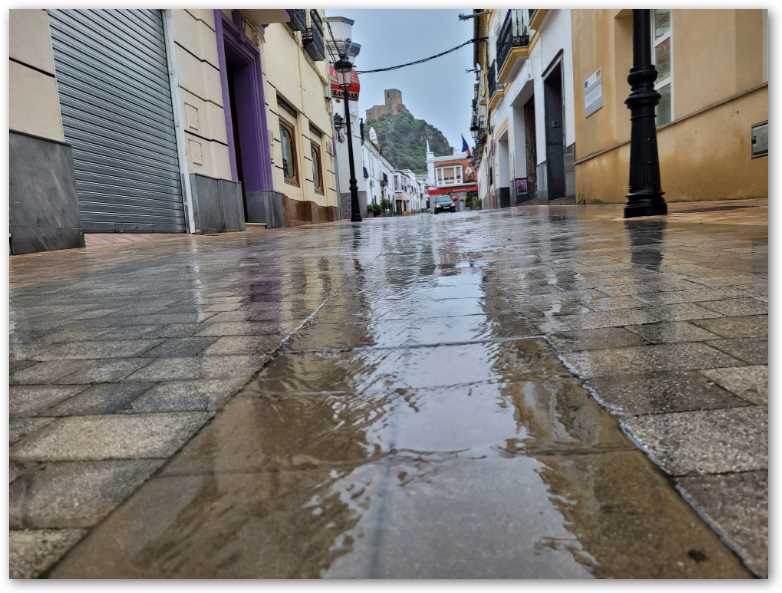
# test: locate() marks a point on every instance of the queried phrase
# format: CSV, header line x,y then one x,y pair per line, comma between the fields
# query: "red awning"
x,y
440,191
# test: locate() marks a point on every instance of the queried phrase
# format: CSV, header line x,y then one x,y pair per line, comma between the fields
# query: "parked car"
x,y
444,204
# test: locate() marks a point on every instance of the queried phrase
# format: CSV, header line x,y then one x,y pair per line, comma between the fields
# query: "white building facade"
x,y
378,173
407,192
529,151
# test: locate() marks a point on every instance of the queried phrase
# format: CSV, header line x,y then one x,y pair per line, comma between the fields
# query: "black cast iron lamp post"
x,y
646,196
344,70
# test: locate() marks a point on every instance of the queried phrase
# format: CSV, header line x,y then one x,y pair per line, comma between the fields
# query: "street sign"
x,y
593,92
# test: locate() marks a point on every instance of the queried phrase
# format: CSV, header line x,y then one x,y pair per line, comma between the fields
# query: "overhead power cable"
x,y
422,60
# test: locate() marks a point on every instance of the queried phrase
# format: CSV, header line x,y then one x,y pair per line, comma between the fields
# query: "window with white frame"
x,y
453,175
662,55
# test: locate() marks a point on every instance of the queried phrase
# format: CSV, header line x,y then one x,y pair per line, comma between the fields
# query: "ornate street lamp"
x,y
344,71
646,196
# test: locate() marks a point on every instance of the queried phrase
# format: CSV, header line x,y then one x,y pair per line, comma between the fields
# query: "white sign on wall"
x,y
593,93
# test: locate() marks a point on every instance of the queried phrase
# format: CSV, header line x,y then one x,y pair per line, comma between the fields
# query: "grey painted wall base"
x,y
266,206
43,207
541,191
346,208
570,176
570,171
504,197
217,204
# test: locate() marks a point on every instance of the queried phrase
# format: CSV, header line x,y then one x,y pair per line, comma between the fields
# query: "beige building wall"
x,y
34,103
200,92
288,72
720,90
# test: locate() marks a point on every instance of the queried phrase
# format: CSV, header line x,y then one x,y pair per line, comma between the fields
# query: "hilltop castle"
x,y
393,105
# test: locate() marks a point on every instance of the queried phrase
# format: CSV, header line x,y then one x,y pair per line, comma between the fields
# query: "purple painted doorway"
x,y
245,114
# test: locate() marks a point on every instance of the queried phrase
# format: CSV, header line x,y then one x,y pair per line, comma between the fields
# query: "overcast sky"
x,y
439,91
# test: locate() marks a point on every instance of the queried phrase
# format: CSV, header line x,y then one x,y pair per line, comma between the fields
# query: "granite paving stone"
x,y
110,437
754,326
73,494
623,288
48,372
105,398
30,400
698,295
126,332
749,382
704,441
202,395
671,332
21,427
180,347
104,371
594,339
245,328
614,303
18,365
34,551
750,350
624,317
648,359
204,367
661,392
738,307
71,334
736,504
161,319
265,344
95,349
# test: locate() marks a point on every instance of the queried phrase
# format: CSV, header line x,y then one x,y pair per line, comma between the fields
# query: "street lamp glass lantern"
x,y
344,70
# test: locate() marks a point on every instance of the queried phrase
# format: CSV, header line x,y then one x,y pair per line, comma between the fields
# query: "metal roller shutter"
x,y
115,98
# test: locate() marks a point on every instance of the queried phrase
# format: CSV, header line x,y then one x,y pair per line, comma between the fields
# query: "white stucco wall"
x,y
555,43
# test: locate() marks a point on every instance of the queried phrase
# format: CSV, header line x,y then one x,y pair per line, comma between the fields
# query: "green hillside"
x,y
402,140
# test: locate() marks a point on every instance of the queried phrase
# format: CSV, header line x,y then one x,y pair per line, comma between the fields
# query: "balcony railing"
x,y
492,79
298,20
512,34
312,38
531,12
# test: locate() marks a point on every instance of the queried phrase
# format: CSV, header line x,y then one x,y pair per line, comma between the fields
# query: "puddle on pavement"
x,y
484,460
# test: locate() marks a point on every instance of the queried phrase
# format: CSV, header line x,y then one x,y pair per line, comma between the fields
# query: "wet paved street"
x,y
454,396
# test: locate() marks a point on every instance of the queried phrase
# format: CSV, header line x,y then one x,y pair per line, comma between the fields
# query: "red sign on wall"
x,y
336,88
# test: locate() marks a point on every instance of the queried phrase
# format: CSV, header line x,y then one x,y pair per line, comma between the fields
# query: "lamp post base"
x,y
645,204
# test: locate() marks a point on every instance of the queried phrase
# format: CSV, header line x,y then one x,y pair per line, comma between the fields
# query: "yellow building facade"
x,y
298,105
166,121
713,77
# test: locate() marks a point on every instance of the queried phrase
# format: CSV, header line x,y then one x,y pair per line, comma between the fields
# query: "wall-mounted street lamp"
x,y
344,72
646,196
339,123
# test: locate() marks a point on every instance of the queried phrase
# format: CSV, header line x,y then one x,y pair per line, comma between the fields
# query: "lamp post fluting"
x,y
344,71
645,197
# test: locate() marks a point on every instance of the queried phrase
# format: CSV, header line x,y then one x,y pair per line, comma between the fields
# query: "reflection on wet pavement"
x,y
411,417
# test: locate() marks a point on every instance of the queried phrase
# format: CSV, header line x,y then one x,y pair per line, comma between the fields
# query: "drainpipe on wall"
x,y
181,142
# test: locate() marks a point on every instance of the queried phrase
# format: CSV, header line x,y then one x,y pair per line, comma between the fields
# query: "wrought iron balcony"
x,y
312,39
298,20
512,34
